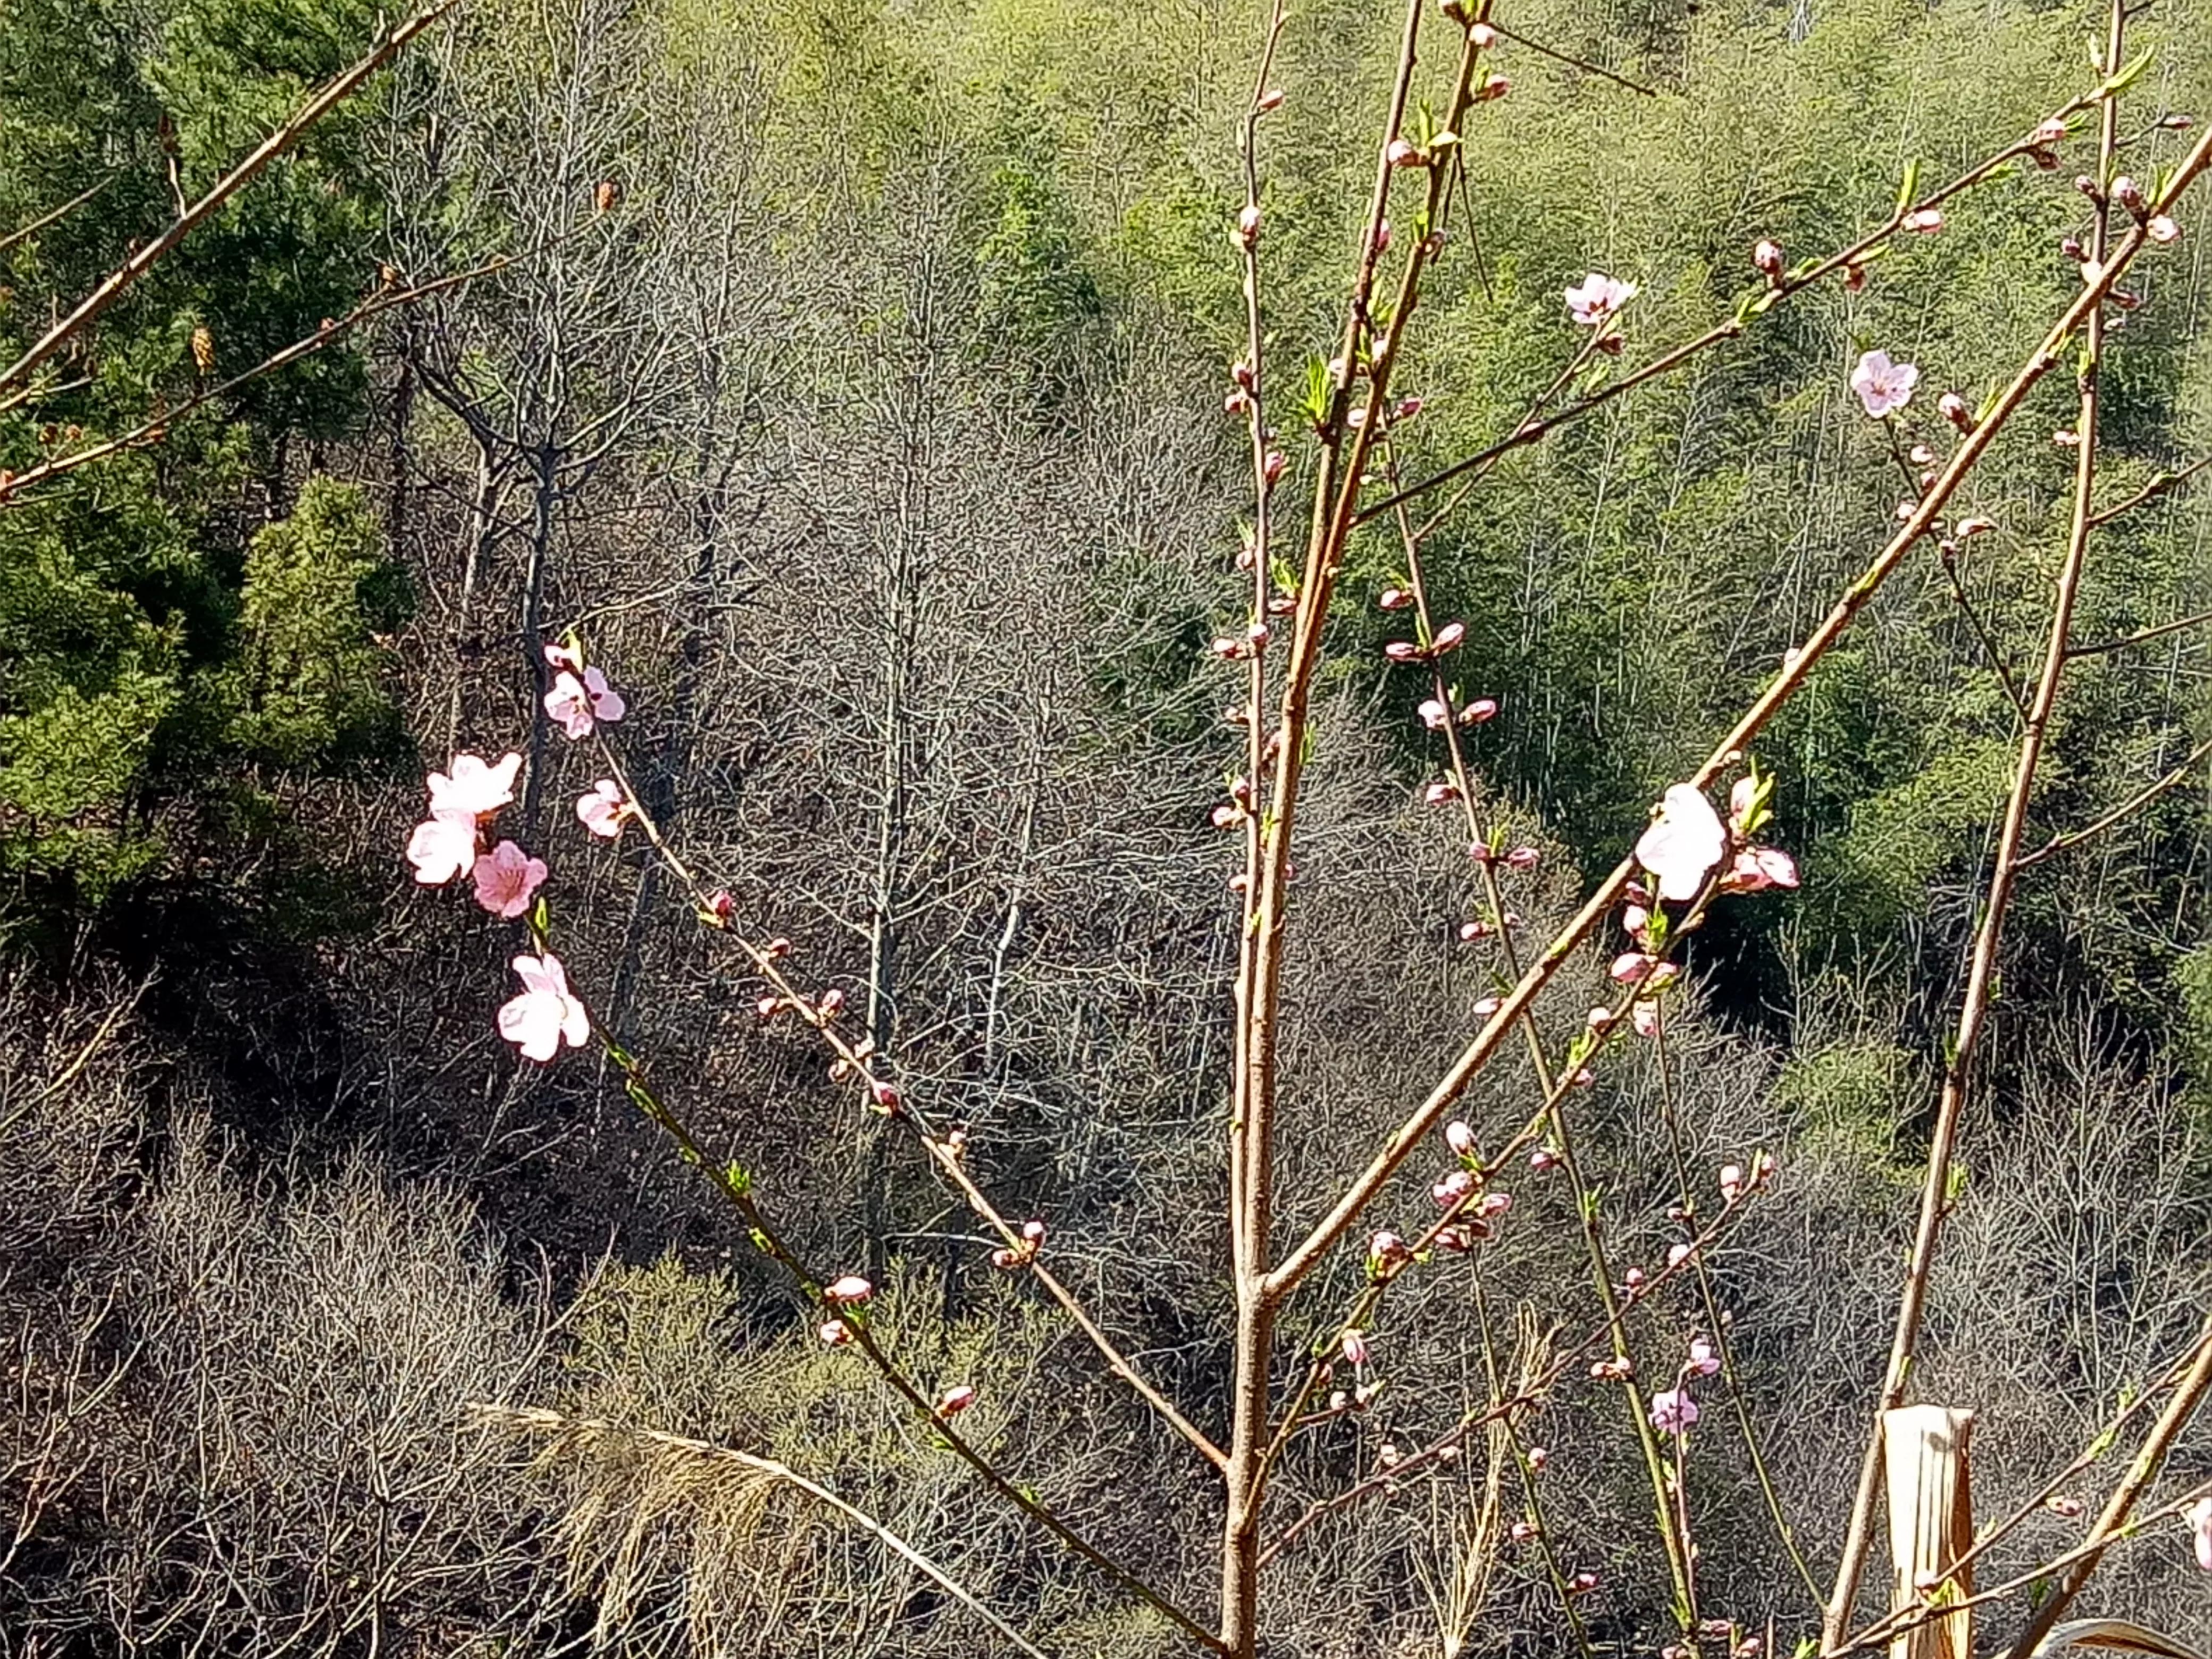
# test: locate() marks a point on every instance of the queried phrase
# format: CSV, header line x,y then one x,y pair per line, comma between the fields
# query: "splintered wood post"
x,y
1931,1522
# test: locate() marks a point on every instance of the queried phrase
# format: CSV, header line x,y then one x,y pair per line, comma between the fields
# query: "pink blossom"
x,y
1543,1159
1703,1361
474,789
1458,1136
1599,297
1731,1181
559,656
1482,37
1758,868
1522,857
1033,1232
1452,1188
506,877
1447,637
1677,1253
2199,1517
834,1333
602,811
1387,1248
1766,258
1393,598
1953,407
546,1014
577,705
443,850
1401,154
1883,385
1643,1015
2161,228
955,1401
1441,792
1482,709
1353,1346
1493,88
1683,841
1432,714
848,1289
1538,1457
1522,1532
1925,220
1485,1006
1493,1205
1672,1411
1741,794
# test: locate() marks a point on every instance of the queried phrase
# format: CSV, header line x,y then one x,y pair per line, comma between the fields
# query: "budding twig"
x,y
223,189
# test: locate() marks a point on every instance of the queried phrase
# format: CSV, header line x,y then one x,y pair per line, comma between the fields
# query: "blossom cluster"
x,y
448,844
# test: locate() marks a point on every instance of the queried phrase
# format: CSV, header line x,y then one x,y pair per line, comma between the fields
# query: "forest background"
x,y
850,377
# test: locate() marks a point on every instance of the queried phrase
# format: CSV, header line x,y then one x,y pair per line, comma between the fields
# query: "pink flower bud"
x,y
1441,792
1271,467
1582,1583
2161,228
1447,637
1452,1188
1007,1260
1702,1360
885,1095
2050,131
834,1333
1925,220
721,905
1394,598
1401,154
1353,1346
1538,1457
2127,192
777,949
1522,1532
1482,709
1677,1253
769,1007
1383,237
955,1401
1485,1006
832,1000
1388,1247
848,1291
1493,1205
1731,1181
1953,407
1543,1159
1766,258
1033,1232
1248,225
1432,714
1269,100
1482,37
1522,857
1459,1138
1493,88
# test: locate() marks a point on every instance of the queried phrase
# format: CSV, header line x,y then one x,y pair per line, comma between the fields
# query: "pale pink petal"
x,y
601,811
568,706
532,1022
441,850
473,789
607,703
1684,843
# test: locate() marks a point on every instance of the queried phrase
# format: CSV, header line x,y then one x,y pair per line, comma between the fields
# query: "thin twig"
x,y
1981,977
2151,491
2074,838
63,211
1573,62
2158,631
228,185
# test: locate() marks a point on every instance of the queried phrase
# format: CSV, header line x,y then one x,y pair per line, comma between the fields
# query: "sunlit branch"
x,y
224,188
1796,670
941,1149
